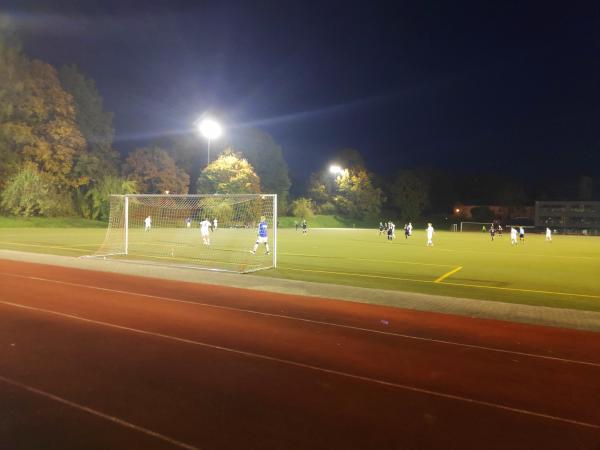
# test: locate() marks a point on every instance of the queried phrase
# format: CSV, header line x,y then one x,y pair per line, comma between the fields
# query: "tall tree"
x,y
358,198
409,194
350,158
37,120
266,157
155,172
230,173
95,124
189,153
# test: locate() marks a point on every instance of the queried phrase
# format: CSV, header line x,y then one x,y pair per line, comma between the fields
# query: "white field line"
x,y
287,362
300,319
97,413
416,280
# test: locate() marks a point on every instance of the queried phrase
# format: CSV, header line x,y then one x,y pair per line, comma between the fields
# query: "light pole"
x,y
211,130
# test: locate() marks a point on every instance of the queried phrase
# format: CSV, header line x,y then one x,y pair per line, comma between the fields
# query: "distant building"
x,y
503,213
568,215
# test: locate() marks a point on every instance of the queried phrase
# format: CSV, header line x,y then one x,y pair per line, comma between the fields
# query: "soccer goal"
x,y
474,226
215,232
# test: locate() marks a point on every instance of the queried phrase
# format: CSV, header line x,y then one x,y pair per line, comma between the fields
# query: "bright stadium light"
x,y
211,130
336,170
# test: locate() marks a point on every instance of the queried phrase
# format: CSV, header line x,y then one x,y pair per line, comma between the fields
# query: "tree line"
x,y
57,154
57,157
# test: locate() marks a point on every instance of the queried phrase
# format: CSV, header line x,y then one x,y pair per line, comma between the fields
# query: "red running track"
x,y
100,360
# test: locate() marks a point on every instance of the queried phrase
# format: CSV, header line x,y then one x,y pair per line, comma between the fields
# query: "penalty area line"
x,y
446,275
450,283
96,413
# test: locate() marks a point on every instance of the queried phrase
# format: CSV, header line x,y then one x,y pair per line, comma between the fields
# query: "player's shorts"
x,y
521,235
204,233
261,240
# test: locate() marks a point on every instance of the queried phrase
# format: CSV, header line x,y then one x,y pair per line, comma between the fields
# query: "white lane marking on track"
x,y
316,322
314,368
96,413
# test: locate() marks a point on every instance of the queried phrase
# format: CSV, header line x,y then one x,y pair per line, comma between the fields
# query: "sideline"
x,y
483,309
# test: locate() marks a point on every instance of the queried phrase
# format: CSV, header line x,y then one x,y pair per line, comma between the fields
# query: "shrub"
x,y
31,193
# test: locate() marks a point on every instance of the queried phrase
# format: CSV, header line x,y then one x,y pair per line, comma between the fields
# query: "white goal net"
x,y
215,232
475,226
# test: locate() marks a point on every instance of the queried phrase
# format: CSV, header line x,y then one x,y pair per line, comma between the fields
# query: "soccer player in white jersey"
x,y
430,232
513,235
204,231
548,234
262,236
147,223
215,224
410,227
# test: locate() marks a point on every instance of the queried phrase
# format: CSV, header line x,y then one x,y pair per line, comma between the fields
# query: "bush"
x,y
31,193
302,208
327,208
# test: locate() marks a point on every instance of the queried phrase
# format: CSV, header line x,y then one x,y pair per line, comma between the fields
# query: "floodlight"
x,y
336,170
210,129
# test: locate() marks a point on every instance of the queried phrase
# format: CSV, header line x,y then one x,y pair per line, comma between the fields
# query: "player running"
x,y
147,223
492,232
304,227
410,227
205,231
262,237
215,224
430,232
380,228
188,222
548,234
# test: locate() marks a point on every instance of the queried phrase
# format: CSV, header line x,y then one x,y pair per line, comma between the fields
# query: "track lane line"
x,y
292,363
311,321
97,413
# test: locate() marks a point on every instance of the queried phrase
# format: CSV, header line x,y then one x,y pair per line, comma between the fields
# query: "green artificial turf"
x,y
564,273
49,222
326,221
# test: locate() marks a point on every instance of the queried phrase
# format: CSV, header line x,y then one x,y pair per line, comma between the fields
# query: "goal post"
x,y
474,226
215,232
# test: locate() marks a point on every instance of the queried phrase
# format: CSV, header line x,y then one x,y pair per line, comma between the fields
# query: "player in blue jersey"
x,y
262,237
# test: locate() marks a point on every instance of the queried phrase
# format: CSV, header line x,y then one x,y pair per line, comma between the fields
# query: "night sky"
x,y
484,85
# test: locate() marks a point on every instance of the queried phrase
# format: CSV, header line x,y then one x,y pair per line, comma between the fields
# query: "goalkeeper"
x,y
262,237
